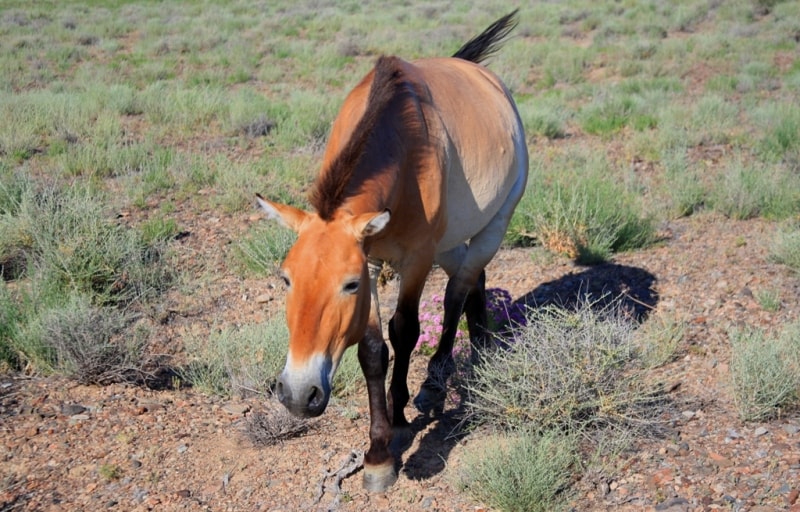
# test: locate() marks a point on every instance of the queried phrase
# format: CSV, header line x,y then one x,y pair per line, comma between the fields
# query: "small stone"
x,y
760,431
673,504
72,409
720,460
236,409
182,448
733,434
428,502
688,414
791,498
184,493
263,298
791,429
77,418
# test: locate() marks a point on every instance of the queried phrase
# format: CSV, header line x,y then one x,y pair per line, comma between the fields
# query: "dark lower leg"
x,y
403,333
475,310
379,471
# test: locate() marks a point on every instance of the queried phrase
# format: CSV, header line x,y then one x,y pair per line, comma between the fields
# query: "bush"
x,y
765,372
522,472
570,370
88,343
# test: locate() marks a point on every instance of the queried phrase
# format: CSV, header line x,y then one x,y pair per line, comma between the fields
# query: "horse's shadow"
x,y
600,287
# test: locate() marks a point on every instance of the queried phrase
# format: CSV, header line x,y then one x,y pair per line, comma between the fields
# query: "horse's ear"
x,y
370,224
289,216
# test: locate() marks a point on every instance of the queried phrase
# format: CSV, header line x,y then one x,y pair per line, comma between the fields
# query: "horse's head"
x,y
328,299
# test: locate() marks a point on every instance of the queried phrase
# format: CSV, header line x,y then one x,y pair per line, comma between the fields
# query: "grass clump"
x,y
587,218
745,190
85,343
785,247
658,339
765,372
520,472
565,369
80,269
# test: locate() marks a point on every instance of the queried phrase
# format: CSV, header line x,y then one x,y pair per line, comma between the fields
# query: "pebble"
x,y
673,504
236,409
72,409
760,431
791,429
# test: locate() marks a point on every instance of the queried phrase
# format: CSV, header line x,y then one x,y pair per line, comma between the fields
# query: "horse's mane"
x,y
335,182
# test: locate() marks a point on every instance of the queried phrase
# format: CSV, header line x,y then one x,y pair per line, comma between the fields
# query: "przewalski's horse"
x,y
425,164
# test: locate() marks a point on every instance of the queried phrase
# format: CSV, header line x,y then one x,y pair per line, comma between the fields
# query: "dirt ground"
x,y
69,447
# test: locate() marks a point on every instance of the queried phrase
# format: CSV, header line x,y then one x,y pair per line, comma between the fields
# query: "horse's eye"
x,y
351,287
286,280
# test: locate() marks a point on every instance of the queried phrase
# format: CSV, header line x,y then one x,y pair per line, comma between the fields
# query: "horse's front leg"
x,y
379,466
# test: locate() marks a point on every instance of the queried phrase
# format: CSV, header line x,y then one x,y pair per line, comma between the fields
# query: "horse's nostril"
x,y
315,398
279,391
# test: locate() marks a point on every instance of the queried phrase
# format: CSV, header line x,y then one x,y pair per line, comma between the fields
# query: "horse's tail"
x,y
483,46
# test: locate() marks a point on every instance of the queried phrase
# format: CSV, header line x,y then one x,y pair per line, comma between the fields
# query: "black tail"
x,y
485,45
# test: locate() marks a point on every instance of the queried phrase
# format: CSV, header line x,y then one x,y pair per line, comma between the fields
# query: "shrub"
x,y
567,370
765,372
85,342
521,472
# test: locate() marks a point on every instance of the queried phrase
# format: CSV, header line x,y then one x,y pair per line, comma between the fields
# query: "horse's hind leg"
x,y
466,293
460,288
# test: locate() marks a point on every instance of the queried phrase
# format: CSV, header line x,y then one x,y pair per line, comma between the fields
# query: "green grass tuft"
x,y
765,372
521,472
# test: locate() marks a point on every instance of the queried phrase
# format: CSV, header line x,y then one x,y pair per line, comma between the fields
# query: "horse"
x,y
425,164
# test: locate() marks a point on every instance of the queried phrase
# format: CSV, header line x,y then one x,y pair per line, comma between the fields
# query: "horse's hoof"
x,y
379,478
430,400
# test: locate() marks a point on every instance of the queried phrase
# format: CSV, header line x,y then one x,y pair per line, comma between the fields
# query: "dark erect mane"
x,y
334,184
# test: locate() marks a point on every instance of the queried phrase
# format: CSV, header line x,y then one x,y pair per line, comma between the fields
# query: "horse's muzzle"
x,y
302,399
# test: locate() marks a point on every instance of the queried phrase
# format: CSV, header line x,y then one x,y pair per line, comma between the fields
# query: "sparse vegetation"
x,y
786,247
765,371
573,209
520,472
